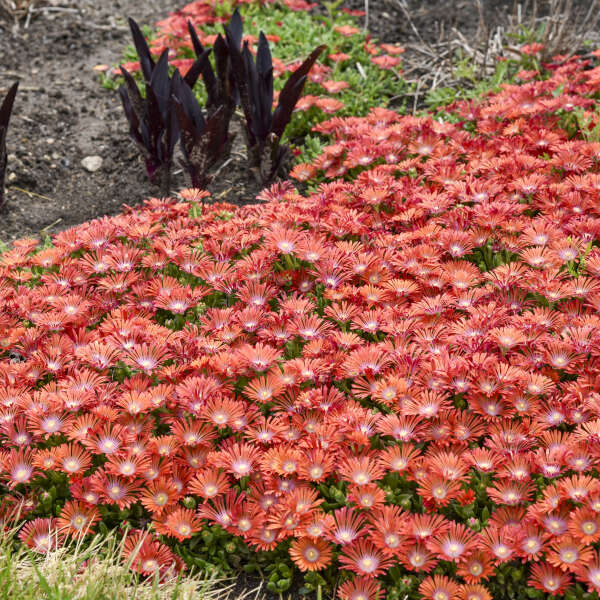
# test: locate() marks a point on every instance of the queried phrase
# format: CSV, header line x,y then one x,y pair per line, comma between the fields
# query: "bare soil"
x,y
62,115
417,22
433,31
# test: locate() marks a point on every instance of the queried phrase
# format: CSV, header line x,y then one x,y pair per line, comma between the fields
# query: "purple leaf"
x,y
5,112
146,61
291,92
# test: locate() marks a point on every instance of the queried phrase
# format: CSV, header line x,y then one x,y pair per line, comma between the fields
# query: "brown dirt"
x,y
62,115
435,20
433,25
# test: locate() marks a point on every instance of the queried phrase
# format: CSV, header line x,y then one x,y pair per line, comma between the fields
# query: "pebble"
x,y
92,163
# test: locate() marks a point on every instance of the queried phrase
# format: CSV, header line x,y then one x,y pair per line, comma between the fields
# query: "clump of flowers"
x,y
396,375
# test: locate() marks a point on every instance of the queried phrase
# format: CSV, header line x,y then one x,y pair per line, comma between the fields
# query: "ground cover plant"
x,y
389,385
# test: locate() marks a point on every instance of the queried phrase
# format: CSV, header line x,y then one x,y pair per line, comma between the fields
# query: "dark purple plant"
x,y
5,112
220,86
203,139
152,117
147,62
264,128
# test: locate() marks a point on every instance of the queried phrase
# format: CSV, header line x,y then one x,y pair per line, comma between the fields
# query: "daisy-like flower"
x,y
41,535
115,490
439,587
285,241
18,465
578,488
77,518
181,524
549,579
348,526
146,357
72,459
259,357
360,470
193,433
590,573
127,465
476,567
402,429
388,529
310,554
498,543
158,495
223,412
363,558
263,389
108,440
510,493
238,459
146,555
361,588
555,523
316,465
303,172
422,527
283,461
531,542
209,484
416,557
256,294
437,489
455,544
474,592
568,554
584,525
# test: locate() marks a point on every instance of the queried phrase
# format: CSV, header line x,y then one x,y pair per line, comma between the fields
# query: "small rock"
x,y
12,177
92,163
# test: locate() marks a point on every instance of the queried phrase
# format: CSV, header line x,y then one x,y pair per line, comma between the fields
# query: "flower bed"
x,y
396,376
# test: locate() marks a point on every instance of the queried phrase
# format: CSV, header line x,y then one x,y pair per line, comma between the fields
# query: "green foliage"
x,y
280,576
213,550
472,83
583,124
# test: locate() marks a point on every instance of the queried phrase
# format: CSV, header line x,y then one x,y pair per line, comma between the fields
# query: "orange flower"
x,y
385,61
310,554
346,30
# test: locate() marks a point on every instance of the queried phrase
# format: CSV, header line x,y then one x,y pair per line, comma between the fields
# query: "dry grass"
x,y
25,10
97,571
17,8
562,26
